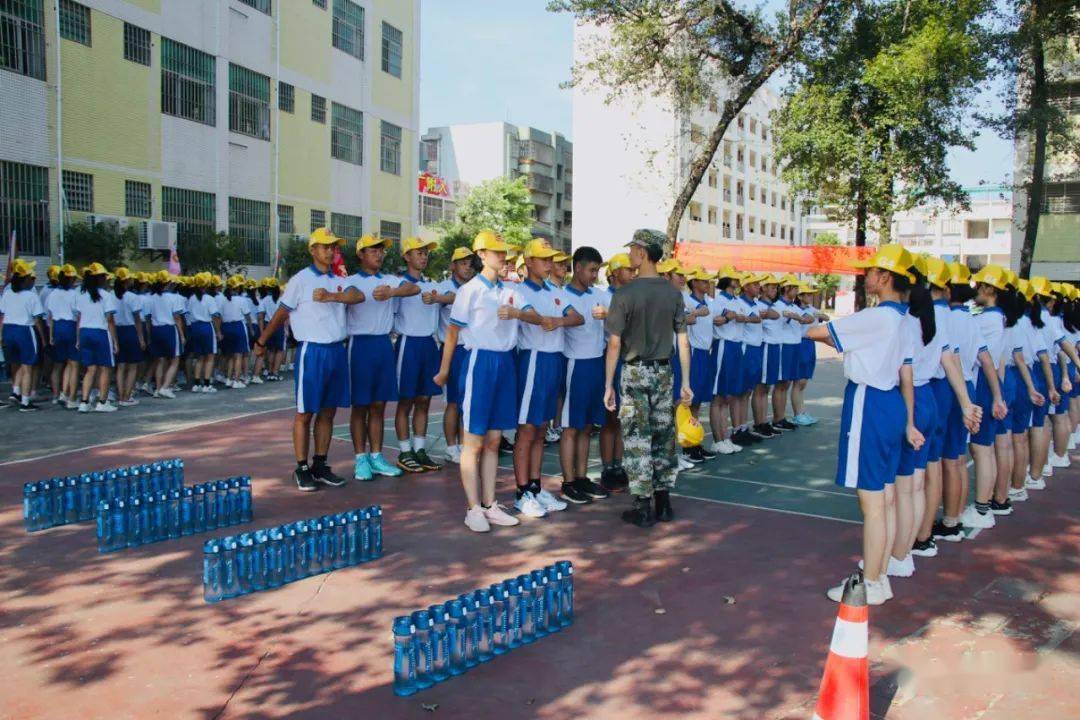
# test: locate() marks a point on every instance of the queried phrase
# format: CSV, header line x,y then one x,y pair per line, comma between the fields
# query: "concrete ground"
x,y
720,614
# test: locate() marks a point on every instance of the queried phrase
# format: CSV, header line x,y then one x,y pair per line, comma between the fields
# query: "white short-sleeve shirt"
x,y
700,334
127,308
448,286
476,312
60,304
235,309
310,321
874,344
752,333
201,309
371,317
927,358
771,328
991,324
93,315
790,330
587,340
549,303
965,336
1053,332
411,316
20,308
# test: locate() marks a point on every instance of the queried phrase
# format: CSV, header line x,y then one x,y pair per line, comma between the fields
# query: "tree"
x,y
875,105
1032,49
439,262
692,52
826,283
294,257
500,204
104,243
218,253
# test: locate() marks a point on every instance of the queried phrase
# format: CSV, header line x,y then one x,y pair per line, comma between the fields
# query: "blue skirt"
x,y
872,426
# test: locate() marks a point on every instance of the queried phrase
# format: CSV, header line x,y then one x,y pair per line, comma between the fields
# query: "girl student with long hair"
x,y
235,343
275,346
727,353
165,310
1064,352
204,333
254,365
95,314
807,362
1024,348
1039,434
60,321
130,336
878,410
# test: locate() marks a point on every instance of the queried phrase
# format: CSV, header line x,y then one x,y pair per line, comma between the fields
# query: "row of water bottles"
x,y
269,558
75,498
153,516
446,640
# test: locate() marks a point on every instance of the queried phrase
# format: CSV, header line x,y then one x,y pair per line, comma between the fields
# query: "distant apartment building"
x,y
189,117
456,158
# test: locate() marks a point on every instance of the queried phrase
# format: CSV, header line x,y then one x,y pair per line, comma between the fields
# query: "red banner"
x,y
816,259
429,184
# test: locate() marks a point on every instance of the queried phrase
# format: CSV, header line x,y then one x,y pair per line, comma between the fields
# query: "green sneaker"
x,y
407,461
426,462
379,466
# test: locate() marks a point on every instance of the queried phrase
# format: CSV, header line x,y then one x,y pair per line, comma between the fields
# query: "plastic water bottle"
x,y
234,500
513,613
457,636
118,519
566,593
30,506
104,528
138,482
485,621
553,598
259,560
365,535
212,506
423,651
540,609
168,474
123,483
71,500
527,609
212,591
178,471
404,672
173,513
230,571
187,511
472,630
289,555
59,488
144,472
304,547
157,477
245,548
352,538
223,503
161,519
149,525
499,622
440,643
341,547
86,498
329,542
198,507
135,522
376,532
246,511
112,484
275,558
97,490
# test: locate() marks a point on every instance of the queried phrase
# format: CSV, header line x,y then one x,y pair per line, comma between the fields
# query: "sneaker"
x,y
84,407
476,521
785,424
453,454
505,445
591,489
800,420
497,515
362,468
1034,484
571,494
553,435
549,502
901,568
946,533
426,462
1059,461
1018,495
61,400
256,380
875,592
31,407
706,454
407,461
326,476
196,388
105,407
1002,508
380,466
209,389
621,476
305,481
72,404
694,455
765,430
974,519
732,446
609,480
744,439
810,419
166,393
886,586
130,402
925,548
529,506
1048,470
14,399
685,464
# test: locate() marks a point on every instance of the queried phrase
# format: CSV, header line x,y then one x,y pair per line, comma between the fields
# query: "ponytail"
x,y
1012,304
920,303
1035,313
91,286
119,288
961,293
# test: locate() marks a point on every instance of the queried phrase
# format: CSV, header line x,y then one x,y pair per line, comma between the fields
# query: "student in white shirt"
x,y
1066,356
557,280
253,365
130,337
613,477
275,345
314,305
807,356
752,337
727,357
792,320
204,333
235,344
463,267
20,326
699,333
95,311
771,327
62,338
165,311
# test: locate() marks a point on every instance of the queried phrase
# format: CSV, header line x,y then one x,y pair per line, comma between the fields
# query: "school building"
x,y
186,118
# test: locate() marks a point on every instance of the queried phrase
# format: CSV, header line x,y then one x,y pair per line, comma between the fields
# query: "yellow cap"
x,y
250,284
560,257
461,253
269,282
539,248
788,280
519,263
161,276
618,261
727,271
323,236
753,277
937,272
489,240
68,270
993,275
806,288
1025,288
959,273
1041,286
893,258
689,431
702,275
415,243
665,266
371,241
769,279
122,273
95,268
918,263
1011,277
236,281
1057,288
53,272
22,268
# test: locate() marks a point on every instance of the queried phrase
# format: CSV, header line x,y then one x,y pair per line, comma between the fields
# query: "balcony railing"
x,y
530,151
540,183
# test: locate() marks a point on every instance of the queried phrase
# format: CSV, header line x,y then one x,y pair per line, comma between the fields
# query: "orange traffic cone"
x,y
845,687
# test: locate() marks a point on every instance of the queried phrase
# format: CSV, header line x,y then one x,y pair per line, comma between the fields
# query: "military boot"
x,y
641,514
664,513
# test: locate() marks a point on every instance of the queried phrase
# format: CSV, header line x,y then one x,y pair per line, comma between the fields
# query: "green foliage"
x,y
439,262
827,283
500,204
218,253
103,243
294,257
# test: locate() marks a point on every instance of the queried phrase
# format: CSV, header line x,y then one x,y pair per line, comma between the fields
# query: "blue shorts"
x,y
943,396
234,338
564,363
164,341
537,378
583,398
201,339
956,435
277,340
1038,414
20,344
789,361
702,375
371,370
925,419
63,348
872,426
1062,407
728,357
322,377
752,359
1008,392
1074,374
95,348
453,383
489,392
771,361
128,340
807,360
418,360
988,428
1020,406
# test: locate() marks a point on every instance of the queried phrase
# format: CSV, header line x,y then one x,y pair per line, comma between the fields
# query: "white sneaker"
x,y
105,407
240,384
723,447
973,519
128,403
875,592
685,464
256,380
529,506
72,404
1018,495
453,454
552,435
886,586
497,515
1072,442
1059,461
901,568
549,502
1034,484
1048,470
60,399
210,389
733,447
84,407
475,520
166,393
196,388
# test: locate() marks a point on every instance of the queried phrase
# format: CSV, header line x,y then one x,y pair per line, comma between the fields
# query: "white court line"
x,y
768,509
778,485
179,428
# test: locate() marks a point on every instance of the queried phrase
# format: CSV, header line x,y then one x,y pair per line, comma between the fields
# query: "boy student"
x,y
462,270
791,331
699,332
314,304
539,364
727,357
752,336
613,478
771,324
373,379
583,395
416,320
486,312
557,281
21,316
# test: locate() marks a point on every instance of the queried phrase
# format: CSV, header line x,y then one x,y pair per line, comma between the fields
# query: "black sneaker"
x,y
591,489
31,407
924,548
407,461
305,481
1004,508
571,494
609,480
641,514
706,454
785,424
505,445
426,462
326,476
948,534
765,430
694,454
14,399
743,438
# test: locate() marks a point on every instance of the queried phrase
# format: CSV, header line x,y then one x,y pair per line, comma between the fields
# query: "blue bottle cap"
x,y
277,533
551,572
245,481
482,598
174,494
354,516
512,587
228,542
119,502
328,521
291,532
72,481
565,566
315,525
525,581
199,490
234,482
538,577
456,609
123,472
211,546
403,625
261,536
97,476
135,501
421,619
498,592
222,484
187,492
376,511
246,540
301,526
84,475
365,514
342,518
438,613
86,481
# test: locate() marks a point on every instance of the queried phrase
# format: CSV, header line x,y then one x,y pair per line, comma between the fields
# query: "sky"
x,y
503,60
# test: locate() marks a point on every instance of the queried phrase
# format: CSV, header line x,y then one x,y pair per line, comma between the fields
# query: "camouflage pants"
x,y
648,426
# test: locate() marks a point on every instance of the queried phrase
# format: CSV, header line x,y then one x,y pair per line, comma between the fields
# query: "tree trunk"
x,y
1037,110
860,241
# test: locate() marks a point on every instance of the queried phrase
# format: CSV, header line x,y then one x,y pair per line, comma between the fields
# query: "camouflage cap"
x,y
646,237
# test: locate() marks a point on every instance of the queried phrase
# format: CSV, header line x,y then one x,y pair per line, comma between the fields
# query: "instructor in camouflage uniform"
x,y
644,318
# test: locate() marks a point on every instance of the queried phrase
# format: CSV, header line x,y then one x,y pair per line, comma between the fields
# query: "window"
x,y
285,219
695,212
194,213
978,229
260,5
713,179
951,226
78,191
391,50
136,44
390,230
249,220
318,219
24,204
187,82
390,148
318,109
1061,197
137,199
74,21
286,97
712,215
22,39
349,227
348,29
433,209
319,3
249,102
347,134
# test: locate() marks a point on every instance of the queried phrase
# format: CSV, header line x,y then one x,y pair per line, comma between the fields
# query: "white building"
x,y
633,154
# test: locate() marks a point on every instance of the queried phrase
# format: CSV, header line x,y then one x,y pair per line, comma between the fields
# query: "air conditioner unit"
x,y
142,228
160,235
